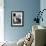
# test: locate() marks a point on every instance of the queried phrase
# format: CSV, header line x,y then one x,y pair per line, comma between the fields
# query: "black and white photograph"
x,y
17,18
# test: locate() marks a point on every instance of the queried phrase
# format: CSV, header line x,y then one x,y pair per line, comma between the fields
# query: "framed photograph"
x,y
17,18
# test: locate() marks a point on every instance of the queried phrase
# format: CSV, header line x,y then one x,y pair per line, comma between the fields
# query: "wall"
x,y
30,7
43,6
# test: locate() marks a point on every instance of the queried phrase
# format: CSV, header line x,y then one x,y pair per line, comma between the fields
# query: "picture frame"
x,y
17,18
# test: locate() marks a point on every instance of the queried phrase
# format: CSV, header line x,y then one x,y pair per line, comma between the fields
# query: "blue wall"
x,y
29,7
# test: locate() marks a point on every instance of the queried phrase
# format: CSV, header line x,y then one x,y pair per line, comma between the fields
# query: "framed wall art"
x,y
17,18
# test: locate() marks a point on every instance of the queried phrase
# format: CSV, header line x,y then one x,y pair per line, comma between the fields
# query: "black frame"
x,y
22,19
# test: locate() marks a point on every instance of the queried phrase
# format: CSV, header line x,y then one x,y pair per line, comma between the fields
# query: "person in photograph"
x,y
16,20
